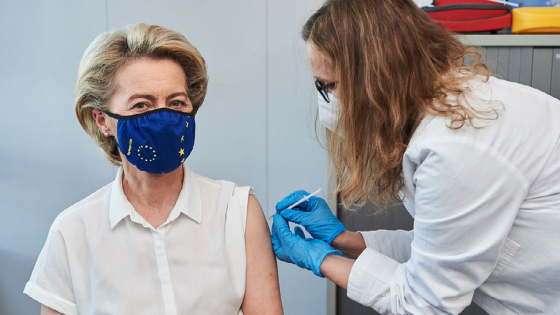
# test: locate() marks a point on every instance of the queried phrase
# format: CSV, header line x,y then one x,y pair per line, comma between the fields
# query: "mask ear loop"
x,y
108,113
114,141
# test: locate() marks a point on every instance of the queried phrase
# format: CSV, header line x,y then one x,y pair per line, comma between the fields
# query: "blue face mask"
x,y
157,141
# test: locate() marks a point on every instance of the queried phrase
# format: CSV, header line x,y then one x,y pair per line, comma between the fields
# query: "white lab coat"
x,y
486,208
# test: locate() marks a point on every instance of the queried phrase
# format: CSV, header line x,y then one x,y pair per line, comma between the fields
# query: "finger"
x,y
291,199
280,226
276,244
299,232
316,202
296,216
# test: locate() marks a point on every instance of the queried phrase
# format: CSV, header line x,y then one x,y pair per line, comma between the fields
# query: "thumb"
x,y
291,199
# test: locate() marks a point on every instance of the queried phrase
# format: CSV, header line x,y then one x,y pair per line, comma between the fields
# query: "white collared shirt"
x,y
102,257
486,208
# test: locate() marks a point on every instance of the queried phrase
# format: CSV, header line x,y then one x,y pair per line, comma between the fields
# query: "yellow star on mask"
x,y
182,152
183,161
182,138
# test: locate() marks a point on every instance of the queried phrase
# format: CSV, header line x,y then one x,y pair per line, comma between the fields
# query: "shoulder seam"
x,y
482,147
82,203
208,180
526,88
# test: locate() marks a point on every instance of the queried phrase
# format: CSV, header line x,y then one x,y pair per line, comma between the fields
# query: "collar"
x,y
189,201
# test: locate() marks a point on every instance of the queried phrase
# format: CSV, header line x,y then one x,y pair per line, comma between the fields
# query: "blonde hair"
x,y
110,51
394,65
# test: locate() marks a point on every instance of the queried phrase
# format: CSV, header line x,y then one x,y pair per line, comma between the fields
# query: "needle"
x,y
298,202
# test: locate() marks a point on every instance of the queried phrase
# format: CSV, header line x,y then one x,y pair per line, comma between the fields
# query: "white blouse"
x,y
486,208
102,257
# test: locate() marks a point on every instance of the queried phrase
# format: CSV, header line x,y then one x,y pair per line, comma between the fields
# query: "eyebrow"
x,y
152,98
323,80
177,94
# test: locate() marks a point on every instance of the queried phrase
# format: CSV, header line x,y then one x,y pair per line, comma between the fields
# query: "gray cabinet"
x,y
530,60
538,67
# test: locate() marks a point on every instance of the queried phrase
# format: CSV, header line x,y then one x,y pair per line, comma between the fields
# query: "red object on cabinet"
x,y
470,16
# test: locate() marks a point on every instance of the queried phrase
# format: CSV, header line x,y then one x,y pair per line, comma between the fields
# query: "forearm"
x,y
351,244
391,243
337,269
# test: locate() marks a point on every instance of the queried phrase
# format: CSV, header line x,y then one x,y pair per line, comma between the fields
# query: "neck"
x,y
153,196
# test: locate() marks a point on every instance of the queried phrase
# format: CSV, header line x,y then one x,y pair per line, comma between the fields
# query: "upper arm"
x,y
48,311
262,291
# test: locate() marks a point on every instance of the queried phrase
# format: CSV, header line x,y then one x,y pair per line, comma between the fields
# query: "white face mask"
x,y
329,112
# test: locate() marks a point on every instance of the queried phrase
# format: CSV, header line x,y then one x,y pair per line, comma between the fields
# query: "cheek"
x,y
335,92
112,124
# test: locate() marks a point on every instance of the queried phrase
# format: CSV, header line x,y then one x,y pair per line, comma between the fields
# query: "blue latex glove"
x,y
307,253
314,214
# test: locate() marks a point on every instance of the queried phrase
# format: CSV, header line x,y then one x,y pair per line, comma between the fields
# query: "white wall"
x,y
256,126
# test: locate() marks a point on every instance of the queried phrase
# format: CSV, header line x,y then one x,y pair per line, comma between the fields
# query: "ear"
x,y
99,117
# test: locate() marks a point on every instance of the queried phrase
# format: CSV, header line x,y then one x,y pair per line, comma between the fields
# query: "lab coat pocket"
x,y
509,250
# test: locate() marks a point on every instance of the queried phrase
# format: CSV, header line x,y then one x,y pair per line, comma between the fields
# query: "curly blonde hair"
x,y
394,65
109,52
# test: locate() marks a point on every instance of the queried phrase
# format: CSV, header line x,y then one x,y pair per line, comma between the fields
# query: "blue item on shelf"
x,y
539,3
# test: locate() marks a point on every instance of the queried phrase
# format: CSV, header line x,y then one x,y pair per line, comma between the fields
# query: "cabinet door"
x,y
555,81
538,67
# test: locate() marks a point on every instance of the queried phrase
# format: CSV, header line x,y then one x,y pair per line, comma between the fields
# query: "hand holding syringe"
x,y
297,203
313,213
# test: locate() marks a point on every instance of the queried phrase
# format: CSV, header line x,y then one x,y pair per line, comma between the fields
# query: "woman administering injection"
x,y
474,159
160,239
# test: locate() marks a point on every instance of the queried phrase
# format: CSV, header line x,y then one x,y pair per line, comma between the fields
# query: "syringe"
x,y
298,202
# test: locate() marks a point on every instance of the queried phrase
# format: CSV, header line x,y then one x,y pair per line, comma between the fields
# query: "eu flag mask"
x,y
157,141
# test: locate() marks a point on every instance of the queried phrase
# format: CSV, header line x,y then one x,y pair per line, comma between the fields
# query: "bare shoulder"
x,y
254,207
256,222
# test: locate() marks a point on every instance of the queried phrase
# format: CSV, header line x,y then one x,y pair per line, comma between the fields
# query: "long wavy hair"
x,y
394,66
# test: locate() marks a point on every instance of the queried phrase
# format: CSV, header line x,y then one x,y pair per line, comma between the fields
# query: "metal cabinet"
x,y
530,60
538,67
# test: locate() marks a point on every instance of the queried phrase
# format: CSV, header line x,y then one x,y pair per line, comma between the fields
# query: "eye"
x,y
329,87
139,106
177,103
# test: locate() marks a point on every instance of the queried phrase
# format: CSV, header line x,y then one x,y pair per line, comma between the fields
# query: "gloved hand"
x,y
307,253
314,214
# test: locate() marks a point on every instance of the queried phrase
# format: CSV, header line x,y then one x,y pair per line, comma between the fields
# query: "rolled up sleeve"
x,y
50,283
467,196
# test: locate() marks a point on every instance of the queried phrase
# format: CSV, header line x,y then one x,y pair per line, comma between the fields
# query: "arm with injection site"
x,y
262,291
